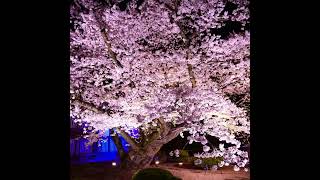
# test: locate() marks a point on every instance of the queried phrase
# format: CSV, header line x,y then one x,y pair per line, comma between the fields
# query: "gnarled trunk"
x,y
141,157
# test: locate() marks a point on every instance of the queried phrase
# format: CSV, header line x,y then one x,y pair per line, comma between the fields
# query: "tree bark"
x,y
88,106
143,157
122,154
191,74
105,34
127,137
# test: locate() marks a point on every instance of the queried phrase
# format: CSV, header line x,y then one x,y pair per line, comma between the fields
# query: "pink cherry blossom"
x,y
161,60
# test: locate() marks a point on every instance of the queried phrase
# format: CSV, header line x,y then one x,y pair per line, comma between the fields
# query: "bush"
x,y
154,174
209,162
183,157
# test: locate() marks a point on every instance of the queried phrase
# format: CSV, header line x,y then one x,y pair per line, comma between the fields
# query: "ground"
x,y
104,171
225,173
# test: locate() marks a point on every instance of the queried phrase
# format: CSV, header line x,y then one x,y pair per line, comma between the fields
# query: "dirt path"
x,y
226,173
104,171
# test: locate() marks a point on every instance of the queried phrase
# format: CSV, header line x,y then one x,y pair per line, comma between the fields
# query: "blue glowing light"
x,y
104,150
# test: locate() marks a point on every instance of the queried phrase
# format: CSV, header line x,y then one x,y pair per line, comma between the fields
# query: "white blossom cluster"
x,y
230,155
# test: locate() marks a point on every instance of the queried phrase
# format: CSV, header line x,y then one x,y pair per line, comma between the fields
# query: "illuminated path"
x,y
225,173
104,171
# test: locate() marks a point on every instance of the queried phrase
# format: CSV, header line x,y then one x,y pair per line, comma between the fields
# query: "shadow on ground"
x,y
104,171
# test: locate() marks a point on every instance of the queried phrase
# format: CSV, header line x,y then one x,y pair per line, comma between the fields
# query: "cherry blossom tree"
x,y
163,67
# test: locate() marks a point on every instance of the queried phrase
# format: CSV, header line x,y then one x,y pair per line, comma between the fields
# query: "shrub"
x,y
183,157
209,162
154,174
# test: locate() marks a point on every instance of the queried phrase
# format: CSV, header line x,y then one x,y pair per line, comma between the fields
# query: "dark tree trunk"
x,y
109,138
122,154
144,157
139,158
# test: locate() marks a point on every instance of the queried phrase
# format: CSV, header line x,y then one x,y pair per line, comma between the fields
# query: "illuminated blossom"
x,y
206,148
171,153
198,162
236,168
130,67
214,168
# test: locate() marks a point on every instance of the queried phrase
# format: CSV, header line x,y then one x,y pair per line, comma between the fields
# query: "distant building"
x,y
104,150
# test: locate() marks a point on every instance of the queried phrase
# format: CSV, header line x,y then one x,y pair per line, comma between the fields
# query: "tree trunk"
x,y
122,154
136,158
142,158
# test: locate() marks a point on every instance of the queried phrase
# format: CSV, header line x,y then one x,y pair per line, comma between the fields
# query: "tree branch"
x,y
191,74
129,139
88,106
111,53
120,148
174,11
171,135
173,85
164,129
104,32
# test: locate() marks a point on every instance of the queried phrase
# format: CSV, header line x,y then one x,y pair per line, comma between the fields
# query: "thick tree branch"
x,y
171,135
104,32
151,138
120,148
191,74
111,53
174,11
82,51
88,106
129,139
173,85
164,129
143,138
155,134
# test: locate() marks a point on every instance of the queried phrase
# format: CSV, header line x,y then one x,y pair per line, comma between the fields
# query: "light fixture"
x,y
236,168
180,163
157,162
114,163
